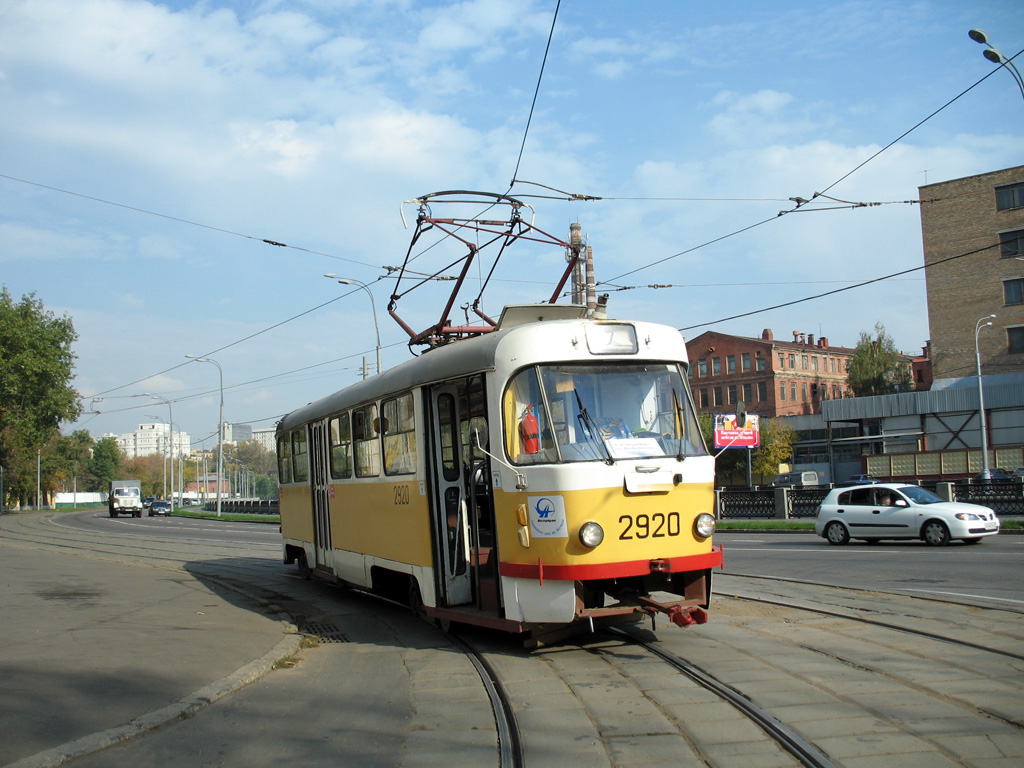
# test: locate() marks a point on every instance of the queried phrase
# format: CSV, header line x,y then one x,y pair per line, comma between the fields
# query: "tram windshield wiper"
x,y
590,429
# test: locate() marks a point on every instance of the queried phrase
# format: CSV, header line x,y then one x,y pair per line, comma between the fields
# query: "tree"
x,y
777,439
106,462
36,369
877,367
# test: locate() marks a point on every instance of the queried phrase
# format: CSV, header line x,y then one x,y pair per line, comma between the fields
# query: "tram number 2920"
x,y
654,526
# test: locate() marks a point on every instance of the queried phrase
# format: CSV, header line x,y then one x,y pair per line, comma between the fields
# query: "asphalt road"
x,y
992,570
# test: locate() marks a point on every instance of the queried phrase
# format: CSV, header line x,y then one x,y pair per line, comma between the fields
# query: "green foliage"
x,y
877,367
36,369
777,439
106,462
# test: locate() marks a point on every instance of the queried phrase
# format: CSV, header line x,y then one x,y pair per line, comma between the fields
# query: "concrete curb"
x,y
186,707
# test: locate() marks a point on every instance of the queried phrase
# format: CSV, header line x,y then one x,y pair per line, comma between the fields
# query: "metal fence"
x,y
1004,497
244,506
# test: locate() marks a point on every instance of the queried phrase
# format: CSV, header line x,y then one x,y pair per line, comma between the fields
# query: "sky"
x,y
149,151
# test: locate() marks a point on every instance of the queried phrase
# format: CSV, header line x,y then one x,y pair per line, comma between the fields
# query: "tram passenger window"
x,y
300,458
399,435
341,447
366,441
284,459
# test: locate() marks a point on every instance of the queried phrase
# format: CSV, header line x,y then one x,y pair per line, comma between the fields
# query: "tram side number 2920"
x,y
654,526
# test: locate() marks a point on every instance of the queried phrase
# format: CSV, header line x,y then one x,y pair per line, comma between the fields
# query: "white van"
x,y
790,479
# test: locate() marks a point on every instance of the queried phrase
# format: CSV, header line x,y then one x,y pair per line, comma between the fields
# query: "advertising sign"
x,y
728,433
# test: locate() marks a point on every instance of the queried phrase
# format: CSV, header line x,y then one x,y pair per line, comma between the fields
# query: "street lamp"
x,y
986,474
992,54
373,307
220,424
170,425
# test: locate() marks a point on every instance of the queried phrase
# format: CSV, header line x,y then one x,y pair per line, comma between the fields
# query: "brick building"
x,y
771,377
973,232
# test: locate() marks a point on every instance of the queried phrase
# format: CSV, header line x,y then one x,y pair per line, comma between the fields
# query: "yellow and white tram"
x,y
549,472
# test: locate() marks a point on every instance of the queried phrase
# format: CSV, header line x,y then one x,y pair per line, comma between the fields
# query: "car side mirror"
x,y
900,503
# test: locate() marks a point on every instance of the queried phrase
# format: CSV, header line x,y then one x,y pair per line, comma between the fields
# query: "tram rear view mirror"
x,y
478,429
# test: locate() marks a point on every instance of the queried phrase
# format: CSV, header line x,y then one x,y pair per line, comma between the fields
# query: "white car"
x,y
897,511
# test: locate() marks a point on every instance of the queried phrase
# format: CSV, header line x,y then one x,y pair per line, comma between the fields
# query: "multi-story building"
x,y
770,377
266,437
973,230
151,439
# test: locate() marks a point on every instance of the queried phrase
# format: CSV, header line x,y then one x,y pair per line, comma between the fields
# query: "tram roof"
x,y
461,358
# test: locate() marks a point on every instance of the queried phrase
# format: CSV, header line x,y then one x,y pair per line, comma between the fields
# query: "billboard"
x,y
729,433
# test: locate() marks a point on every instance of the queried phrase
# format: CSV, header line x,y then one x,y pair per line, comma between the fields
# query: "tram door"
x,y
320,487
450,503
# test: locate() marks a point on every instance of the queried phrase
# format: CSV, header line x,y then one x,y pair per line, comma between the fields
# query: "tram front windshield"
x,y
599,412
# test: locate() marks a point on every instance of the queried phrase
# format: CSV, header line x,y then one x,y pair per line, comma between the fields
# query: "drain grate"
x,y
325,631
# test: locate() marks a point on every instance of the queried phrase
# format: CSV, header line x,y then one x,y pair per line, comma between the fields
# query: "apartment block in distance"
x,y
973,231
771,377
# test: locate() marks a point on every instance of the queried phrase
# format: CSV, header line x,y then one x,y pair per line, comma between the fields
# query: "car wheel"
x,y
935,533
836,533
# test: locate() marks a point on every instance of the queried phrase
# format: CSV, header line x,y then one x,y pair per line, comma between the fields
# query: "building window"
x,y
1015,339
730,364
803,392
814,364
831,365
1009,197
792,362
782,391
1011,244
762,391
782,360
732,393
716,366
792,391
718,395
1013,291
803,362
704,398
762,364
745,362
748,393
702,368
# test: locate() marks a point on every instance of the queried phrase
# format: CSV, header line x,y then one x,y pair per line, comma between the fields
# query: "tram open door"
x,y
320,488
463,521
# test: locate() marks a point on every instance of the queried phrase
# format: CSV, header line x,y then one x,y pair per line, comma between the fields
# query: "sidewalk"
x,y
95,651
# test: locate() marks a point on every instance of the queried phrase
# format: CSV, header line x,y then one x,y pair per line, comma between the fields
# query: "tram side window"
x,y
366,441
300,458
284,459
341,447
528,437
399,435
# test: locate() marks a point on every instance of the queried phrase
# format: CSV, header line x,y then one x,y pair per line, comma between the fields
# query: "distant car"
x,y
160,507
996,473
147,501
862,479
896,511
1018,472
791,479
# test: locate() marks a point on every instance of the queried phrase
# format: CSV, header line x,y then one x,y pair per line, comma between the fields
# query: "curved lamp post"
x,y
220,424
986,473
993,54
373,307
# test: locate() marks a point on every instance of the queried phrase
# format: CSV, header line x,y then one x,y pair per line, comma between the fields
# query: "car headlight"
x,y
705,525
591,535
967,516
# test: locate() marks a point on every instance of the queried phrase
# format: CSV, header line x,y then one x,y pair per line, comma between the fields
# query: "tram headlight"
x,y
591,535
705,525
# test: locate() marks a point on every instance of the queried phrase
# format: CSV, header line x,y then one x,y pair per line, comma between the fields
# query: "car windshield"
x,y
599,412
920,495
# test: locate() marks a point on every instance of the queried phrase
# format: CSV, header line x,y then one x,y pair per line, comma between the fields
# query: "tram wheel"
x,y
416,599
303,565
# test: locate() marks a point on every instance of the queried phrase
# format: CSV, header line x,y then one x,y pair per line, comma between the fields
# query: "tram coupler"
x,y
682,616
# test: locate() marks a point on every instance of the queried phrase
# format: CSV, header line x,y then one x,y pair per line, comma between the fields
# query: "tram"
x,y
548,473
